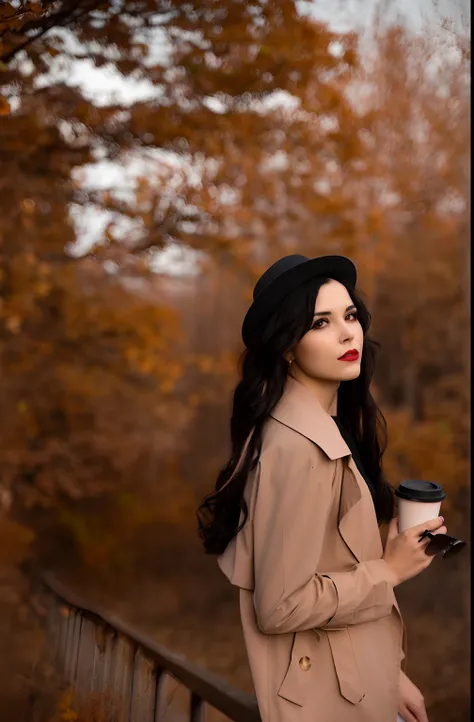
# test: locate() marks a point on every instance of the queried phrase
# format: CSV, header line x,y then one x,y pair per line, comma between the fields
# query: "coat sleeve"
x,y
293,506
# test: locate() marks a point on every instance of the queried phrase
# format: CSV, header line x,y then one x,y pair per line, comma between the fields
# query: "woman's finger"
x,y
419,712
423,543
406,715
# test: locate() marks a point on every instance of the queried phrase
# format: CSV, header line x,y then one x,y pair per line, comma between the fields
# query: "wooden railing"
x,y
97,653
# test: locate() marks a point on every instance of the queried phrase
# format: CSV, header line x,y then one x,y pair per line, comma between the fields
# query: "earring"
x,y
290,361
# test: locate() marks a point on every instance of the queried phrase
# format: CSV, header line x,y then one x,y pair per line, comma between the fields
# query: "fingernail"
x,y
442,518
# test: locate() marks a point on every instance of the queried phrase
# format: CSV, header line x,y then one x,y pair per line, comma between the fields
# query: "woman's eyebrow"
x,y
328,313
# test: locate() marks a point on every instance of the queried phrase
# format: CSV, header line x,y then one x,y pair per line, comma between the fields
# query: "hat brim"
x,y
339,268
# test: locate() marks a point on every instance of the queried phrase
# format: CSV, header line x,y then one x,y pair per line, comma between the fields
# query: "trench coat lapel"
x,y
348,518
300,409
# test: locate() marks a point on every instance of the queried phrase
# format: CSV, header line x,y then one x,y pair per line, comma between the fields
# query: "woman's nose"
x,y
347,333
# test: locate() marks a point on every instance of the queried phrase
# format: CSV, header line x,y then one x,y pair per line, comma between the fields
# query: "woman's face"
x,y
335,331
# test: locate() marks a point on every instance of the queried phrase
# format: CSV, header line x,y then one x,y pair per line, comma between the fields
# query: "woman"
x,y
295,515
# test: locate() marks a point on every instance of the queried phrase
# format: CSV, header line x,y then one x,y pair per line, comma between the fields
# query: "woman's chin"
x,y
352,372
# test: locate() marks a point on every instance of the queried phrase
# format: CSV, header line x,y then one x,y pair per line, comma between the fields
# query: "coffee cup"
x,y
418,501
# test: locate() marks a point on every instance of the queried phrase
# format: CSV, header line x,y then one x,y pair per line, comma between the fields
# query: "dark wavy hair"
x,y
264,371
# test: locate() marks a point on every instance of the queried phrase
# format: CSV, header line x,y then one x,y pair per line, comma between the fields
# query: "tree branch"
x,y
59,19
18,14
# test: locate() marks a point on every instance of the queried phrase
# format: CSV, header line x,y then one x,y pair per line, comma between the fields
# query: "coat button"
x,y
305,663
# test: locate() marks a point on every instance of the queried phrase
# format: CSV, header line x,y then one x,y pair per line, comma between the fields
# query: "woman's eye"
x,y
354,314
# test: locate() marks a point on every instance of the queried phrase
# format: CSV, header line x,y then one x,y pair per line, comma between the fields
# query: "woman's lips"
x,y
349,356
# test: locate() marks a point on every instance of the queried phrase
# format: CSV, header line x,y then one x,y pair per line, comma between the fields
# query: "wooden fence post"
x,y
122,678
143,702
86,659
64,622
74,635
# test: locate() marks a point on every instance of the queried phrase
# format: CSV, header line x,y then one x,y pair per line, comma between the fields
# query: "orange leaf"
x,y
4,106
35,7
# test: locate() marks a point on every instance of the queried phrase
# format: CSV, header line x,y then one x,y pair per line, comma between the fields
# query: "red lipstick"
x,y
351,355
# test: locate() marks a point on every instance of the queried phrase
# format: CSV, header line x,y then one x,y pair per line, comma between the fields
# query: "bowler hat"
x,y
286,274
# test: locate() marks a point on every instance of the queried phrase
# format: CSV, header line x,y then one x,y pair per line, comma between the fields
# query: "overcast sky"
x,y
105,85
357,14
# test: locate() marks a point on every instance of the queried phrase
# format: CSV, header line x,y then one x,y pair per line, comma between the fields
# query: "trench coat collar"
x,y
300,409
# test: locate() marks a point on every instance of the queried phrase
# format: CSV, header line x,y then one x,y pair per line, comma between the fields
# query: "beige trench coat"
x,y
324,635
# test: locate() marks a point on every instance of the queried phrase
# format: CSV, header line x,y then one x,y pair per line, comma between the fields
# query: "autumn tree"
x,y
68,323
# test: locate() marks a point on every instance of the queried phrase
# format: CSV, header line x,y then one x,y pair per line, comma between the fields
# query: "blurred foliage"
x,y
262,133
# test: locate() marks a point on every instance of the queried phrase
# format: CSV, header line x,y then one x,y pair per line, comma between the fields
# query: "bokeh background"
x,y
156,156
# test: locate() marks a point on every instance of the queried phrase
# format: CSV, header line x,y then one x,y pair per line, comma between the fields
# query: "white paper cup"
x,y
418,501
412,513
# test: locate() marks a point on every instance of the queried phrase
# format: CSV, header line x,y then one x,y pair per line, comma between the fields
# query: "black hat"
x,y
284,276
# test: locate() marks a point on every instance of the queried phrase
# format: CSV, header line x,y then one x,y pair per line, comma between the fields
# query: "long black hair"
x,y
264,370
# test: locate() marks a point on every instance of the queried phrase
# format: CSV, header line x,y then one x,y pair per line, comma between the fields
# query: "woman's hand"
x,y
411,705
405,553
